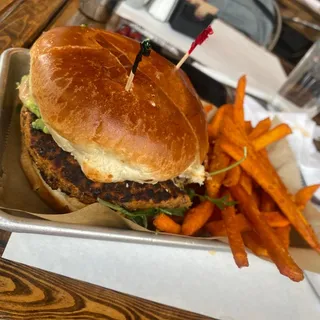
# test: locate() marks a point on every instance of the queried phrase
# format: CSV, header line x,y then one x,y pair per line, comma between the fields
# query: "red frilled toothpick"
x,y
199,40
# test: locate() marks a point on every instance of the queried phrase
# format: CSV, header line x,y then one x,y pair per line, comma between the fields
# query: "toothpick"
x,y
199,40
145,50
129,81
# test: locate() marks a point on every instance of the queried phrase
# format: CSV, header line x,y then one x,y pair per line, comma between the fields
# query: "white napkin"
x,y
301,140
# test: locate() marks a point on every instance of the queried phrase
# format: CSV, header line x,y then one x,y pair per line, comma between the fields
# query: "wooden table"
x,y
289,8
30,293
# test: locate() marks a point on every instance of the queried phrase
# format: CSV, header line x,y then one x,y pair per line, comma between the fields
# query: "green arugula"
x,y
221,203
140,216
232,165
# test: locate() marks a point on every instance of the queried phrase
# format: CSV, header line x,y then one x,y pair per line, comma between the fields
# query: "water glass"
x,y
301,91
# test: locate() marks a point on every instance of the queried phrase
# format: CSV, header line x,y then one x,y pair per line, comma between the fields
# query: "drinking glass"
x,y
301,91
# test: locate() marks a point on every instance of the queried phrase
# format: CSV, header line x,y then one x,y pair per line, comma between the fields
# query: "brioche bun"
x,y
155,132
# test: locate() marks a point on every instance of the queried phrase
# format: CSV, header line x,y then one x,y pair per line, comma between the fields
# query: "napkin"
x,y
304,130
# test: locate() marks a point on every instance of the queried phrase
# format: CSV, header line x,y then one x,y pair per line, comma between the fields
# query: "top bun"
x,y
155,132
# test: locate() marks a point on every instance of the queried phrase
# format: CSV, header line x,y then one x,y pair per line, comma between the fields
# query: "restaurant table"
x,y
31,293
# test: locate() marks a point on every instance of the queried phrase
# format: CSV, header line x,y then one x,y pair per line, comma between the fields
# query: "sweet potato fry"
x,y
304,195
276,250
232,177
264,153
263,172
164,223
253,242
271,136
218,229
196,218
256,197
262,127
207,108
217,121
238,112
274,219
216,214
234,237
248,127
217,160
283,234
246,182
281,197
234,136
267,203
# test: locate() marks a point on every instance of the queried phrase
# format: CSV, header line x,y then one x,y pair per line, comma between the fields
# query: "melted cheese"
x,y
107,164
194,174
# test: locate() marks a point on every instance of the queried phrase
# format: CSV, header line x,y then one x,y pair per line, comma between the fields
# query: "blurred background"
x,y
264,39
245,32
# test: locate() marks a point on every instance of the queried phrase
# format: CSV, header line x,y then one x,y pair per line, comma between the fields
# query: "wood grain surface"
x,y
291,8
26,22
4,4
4,238
32,294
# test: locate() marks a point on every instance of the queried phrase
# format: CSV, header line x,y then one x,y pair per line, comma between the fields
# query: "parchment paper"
x,y
16,194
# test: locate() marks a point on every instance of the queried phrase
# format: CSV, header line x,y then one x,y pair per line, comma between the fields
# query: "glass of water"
x,y
301,91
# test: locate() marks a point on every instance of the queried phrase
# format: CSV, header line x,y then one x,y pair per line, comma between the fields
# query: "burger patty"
x,y
61,171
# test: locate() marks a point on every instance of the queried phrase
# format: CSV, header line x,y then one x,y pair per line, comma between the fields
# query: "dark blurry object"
x,y
207,88
136,36
292,45
130,32
124,30
185,20
98,10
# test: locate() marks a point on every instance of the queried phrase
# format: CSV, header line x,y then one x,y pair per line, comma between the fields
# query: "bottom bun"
x,y
56,199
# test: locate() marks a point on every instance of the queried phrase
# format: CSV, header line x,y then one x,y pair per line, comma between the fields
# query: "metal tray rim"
x,y
37,226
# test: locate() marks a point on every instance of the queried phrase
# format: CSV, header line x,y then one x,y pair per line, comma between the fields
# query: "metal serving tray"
x,y
14,63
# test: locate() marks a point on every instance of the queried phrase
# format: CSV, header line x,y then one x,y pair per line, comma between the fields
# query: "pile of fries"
x,y
264,211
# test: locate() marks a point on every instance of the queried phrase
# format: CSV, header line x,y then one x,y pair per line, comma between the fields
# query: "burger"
x,y
84,137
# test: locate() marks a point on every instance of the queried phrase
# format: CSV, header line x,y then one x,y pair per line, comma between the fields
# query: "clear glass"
x,y
301,91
